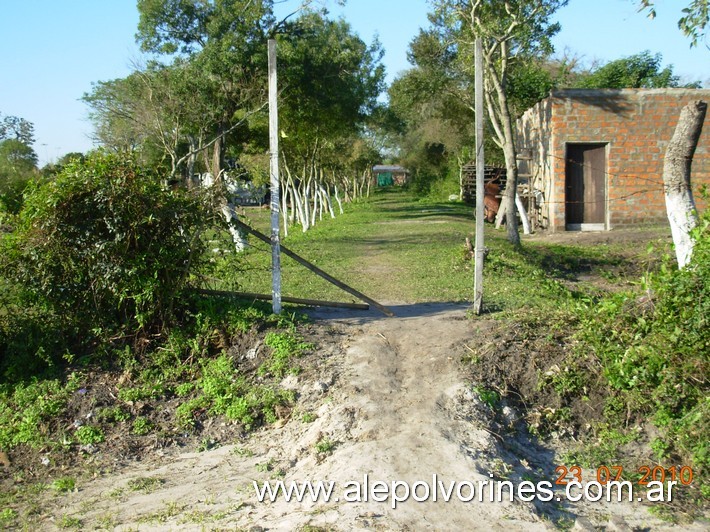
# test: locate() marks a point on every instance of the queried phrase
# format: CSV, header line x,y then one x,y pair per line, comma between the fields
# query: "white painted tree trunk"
x,y
337,198
292,216
680,205
523,214
300,213
314,210
501,214
229,212
329,202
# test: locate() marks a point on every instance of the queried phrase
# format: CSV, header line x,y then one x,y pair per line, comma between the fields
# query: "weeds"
x,y
142,426
145,484
241,451
325,446
7,515
308,417
67,521
27,411
170,510
86,435
112,414
285,347
63,484
487,396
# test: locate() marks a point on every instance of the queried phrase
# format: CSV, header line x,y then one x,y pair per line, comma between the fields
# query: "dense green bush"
x,y
654,350
104,245
11,188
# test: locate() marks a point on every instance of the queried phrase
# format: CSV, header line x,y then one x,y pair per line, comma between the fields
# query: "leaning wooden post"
x,y
480,186
274,171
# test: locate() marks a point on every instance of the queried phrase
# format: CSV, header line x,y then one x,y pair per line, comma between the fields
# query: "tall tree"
x,y
225,42
512,32
433,109
330,80
14,127
18,161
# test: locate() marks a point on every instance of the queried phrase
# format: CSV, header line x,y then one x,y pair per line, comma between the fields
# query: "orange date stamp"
x,y
605,474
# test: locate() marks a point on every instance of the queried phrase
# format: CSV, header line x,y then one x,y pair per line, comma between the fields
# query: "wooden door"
x,y
585,185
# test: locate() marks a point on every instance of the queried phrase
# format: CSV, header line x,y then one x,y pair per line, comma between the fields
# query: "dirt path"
x,y
391,404
386,399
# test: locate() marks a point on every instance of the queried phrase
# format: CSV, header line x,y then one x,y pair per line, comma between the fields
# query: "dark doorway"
x,y
585,187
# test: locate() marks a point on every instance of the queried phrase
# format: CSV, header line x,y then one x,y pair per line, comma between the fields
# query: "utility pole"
x,y
274,174
480,186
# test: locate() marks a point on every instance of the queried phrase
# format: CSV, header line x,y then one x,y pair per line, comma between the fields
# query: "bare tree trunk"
x,y
329,202
217,157
460,161
511,167
191,160
337,198
523,214
680,205
346,190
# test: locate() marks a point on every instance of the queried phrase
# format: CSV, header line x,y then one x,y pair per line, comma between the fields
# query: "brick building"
x,y
594,158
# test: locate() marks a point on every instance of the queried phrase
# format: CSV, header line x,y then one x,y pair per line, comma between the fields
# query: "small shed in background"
x,y
595,157
385,175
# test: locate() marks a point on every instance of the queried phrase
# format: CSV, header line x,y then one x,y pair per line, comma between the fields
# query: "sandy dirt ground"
x,y
387,400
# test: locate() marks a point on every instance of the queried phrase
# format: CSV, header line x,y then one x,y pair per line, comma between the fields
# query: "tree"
x,y
174,113
224,43
16,157
330,80
158,110
640,71
432,109
13,127
18,161
676,179
694,21
512,32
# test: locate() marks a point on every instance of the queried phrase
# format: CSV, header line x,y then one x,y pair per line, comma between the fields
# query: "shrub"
x,y
654,350
105,245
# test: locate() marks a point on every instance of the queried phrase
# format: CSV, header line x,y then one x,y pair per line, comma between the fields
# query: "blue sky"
x,y
53,50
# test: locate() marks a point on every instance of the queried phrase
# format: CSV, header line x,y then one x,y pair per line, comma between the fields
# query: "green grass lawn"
x,y
393,248
396,248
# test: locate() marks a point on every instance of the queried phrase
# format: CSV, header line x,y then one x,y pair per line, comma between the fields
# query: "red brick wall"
x,y
636,125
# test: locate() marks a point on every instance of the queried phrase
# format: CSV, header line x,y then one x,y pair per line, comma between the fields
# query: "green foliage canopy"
x,y
330,81
640,71
18,161
13,127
